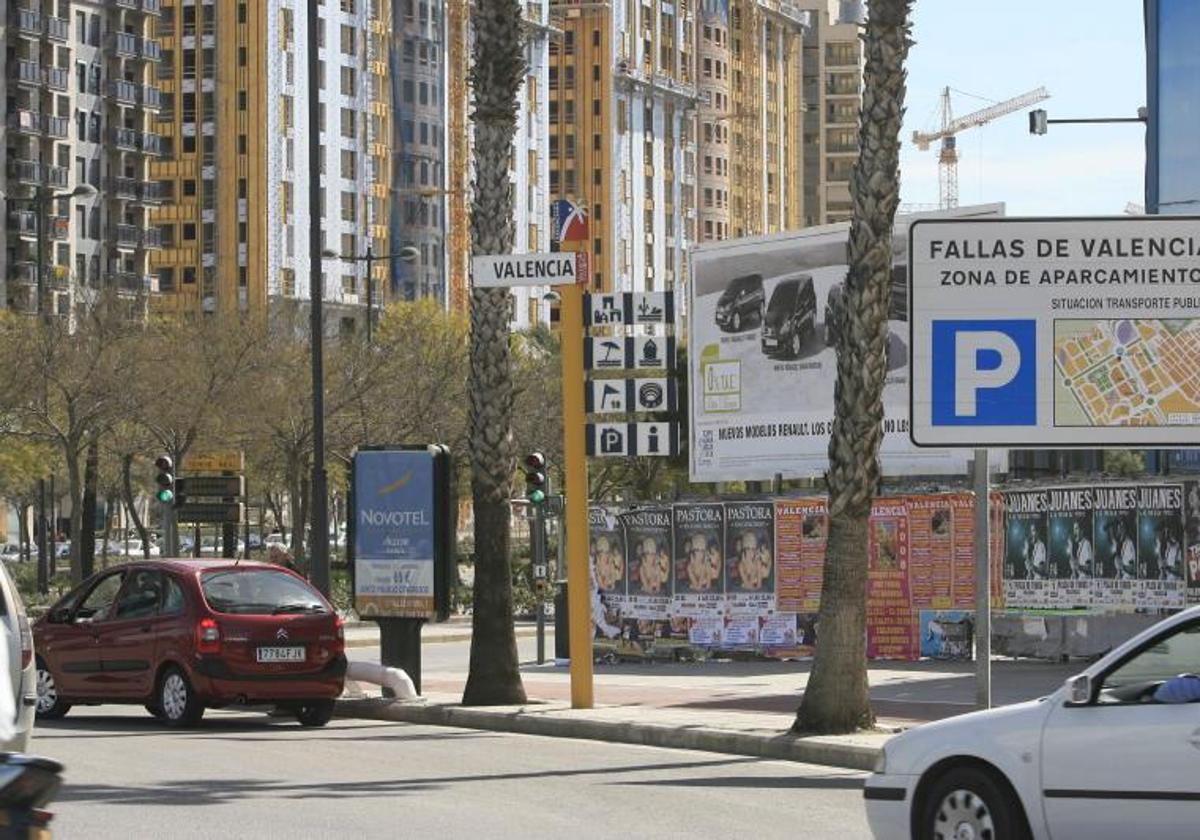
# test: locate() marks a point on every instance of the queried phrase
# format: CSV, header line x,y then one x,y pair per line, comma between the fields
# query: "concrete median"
x,y
655,728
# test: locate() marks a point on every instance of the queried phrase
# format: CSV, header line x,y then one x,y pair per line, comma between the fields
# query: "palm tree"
x,y
497,71
837,699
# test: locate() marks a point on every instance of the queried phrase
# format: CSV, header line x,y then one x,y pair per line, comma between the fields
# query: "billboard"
x,y
1055,332
762,325
394,537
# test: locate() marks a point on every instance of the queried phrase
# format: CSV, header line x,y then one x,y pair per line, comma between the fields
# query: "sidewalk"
x,y
743,708
361,634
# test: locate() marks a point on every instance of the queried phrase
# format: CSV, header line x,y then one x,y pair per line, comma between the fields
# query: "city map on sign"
x,y
1127,372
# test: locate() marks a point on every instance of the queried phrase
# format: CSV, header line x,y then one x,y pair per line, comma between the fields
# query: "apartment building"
x,y
236,222
530,166
419,101
78,140
832,85
622,94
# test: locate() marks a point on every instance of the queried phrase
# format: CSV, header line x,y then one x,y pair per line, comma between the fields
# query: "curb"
x,y
810,750
440,639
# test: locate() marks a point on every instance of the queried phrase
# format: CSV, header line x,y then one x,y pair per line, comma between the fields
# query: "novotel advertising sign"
x,y
399,532
1055,332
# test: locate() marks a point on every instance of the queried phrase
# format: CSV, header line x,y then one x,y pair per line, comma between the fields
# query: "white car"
x,y
1098,759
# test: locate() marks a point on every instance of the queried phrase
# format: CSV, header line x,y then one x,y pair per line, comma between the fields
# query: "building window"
x,y
349,40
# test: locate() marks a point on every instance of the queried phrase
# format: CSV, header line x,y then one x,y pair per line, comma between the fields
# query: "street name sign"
x,y
620,396
1055,332
231,460
621,440
561,268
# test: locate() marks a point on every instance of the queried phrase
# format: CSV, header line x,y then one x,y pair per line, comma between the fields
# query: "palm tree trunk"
x,y
837,699
496,76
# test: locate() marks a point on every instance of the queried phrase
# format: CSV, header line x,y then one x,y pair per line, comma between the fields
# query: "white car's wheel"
x,y
970,803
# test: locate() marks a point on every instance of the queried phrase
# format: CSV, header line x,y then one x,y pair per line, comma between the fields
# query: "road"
x,y
244,775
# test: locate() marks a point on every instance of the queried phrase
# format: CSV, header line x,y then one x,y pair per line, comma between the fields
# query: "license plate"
x,y
281,654
770,342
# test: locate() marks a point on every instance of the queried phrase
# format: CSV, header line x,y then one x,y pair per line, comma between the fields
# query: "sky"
x,y
1089,54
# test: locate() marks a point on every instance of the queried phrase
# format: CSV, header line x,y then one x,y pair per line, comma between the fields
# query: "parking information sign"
x,y
1055,332
394,533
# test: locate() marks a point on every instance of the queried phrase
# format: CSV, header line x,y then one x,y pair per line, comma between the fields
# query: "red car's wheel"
x,y
177,699
50,705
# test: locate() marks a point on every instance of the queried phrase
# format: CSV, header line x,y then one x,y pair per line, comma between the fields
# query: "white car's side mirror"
x,y
1079,690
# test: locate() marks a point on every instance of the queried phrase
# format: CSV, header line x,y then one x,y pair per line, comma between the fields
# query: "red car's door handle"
x,y
146,628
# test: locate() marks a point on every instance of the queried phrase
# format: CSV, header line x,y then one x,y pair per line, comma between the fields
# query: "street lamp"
x,y
406,254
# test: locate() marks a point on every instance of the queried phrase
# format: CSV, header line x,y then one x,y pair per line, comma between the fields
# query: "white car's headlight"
x,y
881,761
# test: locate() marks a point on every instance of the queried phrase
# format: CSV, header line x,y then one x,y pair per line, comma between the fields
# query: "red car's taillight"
x,y
339,644
26,641
208,636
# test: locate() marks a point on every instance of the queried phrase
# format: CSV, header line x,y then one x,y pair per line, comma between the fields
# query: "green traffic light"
x,y
536,496
165,496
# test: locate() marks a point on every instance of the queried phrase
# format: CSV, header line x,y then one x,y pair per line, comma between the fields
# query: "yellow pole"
x,y
579,601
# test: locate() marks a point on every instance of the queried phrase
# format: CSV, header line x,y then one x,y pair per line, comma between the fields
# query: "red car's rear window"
x,y
257,591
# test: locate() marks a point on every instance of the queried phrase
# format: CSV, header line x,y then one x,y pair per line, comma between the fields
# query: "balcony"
x,y
23,121
151,50
58,78
124,188
152,7
32,173
152,238
28,72
23,274
126,139
23,223
130,283
126,4
58,228
127,235
57,29
151,97
151,143
28,23
153,192
125,44
124,92
58,127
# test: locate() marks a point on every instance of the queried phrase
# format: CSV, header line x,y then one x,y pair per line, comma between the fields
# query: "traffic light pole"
x,y
575,472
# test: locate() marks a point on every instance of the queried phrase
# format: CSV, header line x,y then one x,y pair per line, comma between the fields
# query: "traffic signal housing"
x,y
165,479
535,478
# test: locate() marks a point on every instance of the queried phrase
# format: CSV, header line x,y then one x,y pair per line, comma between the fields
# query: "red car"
x,y
179,636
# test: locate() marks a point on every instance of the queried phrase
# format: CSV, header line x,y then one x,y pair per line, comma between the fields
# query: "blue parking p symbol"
x,y
984,373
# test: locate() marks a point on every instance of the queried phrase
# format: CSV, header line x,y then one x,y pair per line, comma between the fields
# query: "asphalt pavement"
x,y
245,775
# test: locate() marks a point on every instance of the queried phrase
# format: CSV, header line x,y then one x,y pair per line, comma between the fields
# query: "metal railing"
x,y
124,187
25,121
22,223
29,22
28,71
57,29
55,126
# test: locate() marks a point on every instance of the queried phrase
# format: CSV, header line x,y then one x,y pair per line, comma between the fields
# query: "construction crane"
x,y
948,156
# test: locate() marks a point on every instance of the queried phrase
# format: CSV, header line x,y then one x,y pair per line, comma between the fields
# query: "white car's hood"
x,y
1011,729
